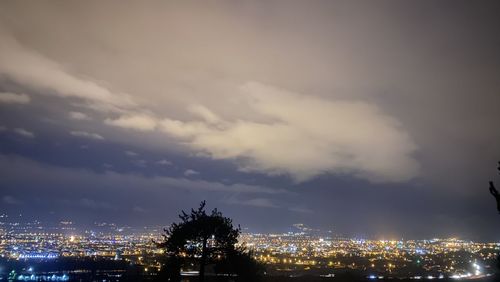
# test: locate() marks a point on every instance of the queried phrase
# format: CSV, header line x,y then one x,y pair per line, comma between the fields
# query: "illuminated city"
x,y
302,252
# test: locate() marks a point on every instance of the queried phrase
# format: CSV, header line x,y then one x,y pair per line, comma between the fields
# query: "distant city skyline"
x,y
376,118
20,224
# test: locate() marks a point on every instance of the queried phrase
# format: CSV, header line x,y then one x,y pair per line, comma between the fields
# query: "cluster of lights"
x,y
435,259
378,259
33,277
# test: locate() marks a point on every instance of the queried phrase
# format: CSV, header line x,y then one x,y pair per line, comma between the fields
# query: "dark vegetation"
x,y
207,242
494,191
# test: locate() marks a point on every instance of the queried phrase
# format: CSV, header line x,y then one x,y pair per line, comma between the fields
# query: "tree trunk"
x,y
203,260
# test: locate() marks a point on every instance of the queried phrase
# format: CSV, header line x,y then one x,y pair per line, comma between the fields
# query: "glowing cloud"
x,y
304,136
137,122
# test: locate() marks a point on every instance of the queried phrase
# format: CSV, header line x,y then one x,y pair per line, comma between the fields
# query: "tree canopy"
x,y
206,239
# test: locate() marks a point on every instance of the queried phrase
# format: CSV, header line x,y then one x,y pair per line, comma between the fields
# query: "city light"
x,y
293,252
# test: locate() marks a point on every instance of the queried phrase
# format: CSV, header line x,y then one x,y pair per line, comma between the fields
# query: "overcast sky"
x,y
368,118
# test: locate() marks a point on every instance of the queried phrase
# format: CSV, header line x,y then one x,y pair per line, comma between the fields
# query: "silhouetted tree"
x,y
203,238
494,191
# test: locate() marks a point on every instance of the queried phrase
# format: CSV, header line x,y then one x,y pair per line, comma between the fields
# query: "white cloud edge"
x,y
78,116
85,134
23,132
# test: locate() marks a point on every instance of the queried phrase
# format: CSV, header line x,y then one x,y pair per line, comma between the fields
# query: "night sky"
x,y
375,119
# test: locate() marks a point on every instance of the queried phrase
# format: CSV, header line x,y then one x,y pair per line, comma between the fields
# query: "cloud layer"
x,y
303,136
353,90
15,167
281,132
33,70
